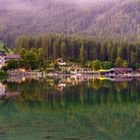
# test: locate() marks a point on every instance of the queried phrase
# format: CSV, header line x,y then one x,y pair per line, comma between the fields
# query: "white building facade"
x,y
4,58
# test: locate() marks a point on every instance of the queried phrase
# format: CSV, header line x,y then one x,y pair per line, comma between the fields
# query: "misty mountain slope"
x,y
114,19
121,21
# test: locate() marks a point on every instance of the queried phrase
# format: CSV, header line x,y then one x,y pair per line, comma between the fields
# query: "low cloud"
x,y
29,4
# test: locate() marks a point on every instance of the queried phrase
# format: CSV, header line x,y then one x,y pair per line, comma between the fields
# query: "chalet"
x,y
60,62
79,70
6,57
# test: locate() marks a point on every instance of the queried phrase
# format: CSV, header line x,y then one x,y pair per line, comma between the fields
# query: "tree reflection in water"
x,y
95,108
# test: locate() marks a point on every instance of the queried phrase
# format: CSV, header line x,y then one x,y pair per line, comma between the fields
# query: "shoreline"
x,y
44,74
22,77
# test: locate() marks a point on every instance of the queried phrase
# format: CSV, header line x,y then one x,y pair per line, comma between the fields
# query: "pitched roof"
x,y
12,56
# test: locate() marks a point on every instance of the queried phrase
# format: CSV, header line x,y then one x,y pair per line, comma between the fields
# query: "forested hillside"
x,y
119,19
79,49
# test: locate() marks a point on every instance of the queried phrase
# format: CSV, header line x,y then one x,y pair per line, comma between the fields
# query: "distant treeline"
x,y
80,49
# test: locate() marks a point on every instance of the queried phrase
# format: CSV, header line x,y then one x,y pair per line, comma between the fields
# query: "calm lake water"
x,y
70,108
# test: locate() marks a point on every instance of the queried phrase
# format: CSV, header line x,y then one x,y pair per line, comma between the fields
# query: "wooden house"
x,y
60,62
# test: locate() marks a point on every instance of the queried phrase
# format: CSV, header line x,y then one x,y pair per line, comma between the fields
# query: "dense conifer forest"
x,y
108,19
104,32
83,50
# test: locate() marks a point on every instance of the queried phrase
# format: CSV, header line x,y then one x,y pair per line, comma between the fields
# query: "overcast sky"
x,y
76,1
25,4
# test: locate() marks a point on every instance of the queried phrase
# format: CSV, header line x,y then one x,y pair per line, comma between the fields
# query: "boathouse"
x,y
121,70
116,71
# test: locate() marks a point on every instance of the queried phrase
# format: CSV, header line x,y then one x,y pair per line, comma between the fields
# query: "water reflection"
x,y
70,108
70,87
4,93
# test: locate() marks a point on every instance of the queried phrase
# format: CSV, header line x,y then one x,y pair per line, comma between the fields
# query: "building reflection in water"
x,y
102,104
5,93
2,90
59,84
67,81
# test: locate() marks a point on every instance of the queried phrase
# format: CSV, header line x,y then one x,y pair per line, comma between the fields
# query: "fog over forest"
x,y
106,19
28,4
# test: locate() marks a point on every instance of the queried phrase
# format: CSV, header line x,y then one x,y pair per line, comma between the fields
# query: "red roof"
x,y
12,56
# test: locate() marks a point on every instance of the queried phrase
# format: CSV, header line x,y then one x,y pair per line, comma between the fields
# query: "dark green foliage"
x,y
12,64
38,49
63,50
96,65
4,48
3,74
29,59
107,65
119,62
82,55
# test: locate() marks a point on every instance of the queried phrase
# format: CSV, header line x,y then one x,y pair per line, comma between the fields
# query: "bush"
x,y
107,65
12,64
3,74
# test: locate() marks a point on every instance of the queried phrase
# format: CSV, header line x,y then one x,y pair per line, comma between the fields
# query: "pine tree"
x,y
63,50
82,55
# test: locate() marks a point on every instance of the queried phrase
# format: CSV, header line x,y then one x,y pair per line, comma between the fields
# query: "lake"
x,y
70,108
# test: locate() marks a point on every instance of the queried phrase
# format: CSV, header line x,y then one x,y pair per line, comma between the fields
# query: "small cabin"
x,y
60,62
121,70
